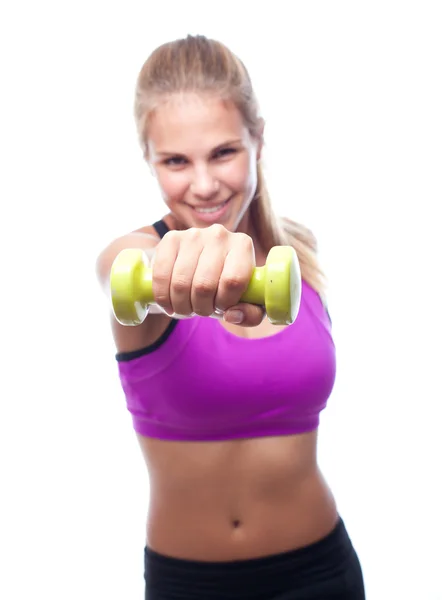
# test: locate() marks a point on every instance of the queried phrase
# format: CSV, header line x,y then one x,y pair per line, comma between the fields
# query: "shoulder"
x,y
159,228
300,232
147,230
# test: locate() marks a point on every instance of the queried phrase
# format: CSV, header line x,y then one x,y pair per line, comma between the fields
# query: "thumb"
x,y
246,315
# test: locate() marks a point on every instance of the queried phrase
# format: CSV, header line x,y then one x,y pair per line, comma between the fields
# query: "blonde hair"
x,y
202,65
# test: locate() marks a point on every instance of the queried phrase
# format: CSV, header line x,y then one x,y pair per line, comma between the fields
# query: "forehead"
x,y
189,123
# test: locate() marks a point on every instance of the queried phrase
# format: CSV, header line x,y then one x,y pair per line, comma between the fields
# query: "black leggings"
x,y
326,570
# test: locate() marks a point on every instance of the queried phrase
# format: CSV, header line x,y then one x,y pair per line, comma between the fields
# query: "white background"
x,y
351,92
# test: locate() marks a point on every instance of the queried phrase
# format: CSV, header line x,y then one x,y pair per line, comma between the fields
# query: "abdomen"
x,y
233,500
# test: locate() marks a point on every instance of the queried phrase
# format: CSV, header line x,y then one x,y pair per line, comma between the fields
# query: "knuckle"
x,y
170,236
179,285
204,286
218,232
160,277
234,282
192,234
160,286
245,241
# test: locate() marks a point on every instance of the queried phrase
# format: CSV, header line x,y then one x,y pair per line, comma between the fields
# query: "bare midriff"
x,y
233,500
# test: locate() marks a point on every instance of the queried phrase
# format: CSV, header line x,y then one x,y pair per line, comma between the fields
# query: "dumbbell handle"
x,y
254,294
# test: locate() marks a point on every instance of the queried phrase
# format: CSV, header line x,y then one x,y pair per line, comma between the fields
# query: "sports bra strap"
x,y
161,228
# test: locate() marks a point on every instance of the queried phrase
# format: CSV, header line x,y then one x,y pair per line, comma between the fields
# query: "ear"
x,y
147,158
150,165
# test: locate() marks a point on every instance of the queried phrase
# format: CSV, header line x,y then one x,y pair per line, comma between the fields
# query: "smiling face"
x,y
204,159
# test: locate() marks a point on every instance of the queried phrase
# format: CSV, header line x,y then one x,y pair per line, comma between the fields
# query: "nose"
x,y
204,184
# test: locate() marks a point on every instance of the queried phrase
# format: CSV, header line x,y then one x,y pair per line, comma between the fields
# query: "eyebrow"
x,y
219,147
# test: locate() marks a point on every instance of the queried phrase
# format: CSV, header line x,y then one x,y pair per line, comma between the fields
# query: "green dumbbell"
x,y
276,286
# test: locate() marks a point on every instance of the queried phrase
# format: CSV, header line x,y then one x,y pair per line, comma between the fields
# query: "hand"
x,y
197,271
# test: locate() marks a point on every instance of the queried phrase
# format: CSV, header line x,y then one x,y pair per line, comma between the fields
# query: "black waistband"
x,y
329,557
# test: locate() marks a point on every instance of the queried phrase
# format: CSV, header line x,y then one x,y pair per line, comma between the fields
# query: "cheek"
x,y
239,175
172,184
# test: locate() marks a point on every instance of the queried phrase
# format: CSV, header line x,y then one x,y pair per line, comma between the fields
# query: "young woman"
x,y
226,410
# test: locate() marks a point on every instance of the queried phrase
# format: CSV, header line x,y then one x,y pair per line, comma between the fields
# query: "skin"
x,y
215,501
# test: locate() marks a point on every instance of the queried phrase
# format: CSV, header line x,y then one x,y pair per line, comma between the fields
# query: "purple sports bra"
x,y
201,382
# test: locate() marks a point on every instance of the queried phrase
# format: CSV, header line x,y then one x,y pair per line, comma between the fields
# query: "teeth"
x,y
211,210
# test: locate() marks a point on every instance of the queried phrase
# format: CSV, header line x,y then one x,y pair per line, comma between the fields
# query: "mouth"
x,y
211,213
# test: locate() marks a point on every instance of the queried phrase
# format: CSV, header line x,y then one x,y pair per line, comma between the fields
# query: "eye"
x,y
175,161
224,152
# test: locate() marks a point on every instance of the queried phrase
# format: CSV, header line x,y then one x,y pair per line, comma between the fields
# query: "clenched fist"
x,y
200,271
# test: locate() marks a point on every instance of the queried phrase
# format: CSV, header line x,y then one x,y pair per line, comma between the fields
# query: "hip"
x,y
324,570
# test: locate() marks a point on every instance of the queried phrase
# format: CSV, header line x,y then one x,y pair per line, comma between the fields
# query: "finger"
x,y
237,272
162,267
246,315
206,278
184,271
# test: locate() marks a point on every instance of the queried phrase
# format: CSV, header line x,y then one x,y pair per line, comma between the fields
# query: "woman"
x,y
226,410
